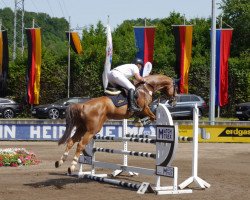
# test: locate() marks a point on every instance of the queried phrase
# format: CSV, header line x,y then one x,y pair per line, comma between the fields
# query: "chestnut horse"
x,y
89,117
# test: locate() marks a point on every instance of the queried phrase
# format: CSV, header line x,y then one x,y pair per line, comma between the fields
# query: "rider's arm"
x,y
138,77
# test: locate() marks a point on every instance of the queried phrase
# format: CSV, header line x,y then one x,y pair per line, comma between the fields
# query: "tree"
x,y
86,69
236,13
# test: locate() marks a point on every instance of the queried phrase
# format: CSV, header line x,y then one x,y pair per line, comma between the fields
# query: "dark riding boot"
x,y
131,102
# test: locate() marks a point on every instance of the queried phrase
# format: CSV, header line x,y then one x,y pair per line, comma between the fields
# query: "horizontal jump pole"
x,y
140,140
113,181
113,166
131,153
185,138
139,136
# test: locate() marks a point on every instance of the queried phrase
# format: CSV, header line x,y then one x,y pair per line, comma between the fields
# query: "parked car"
x,y
243,111
57,109
184,106
9,108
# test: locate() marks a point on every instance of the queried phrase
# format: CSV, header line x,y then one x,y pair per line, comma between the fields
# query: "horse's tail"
x,y
71,113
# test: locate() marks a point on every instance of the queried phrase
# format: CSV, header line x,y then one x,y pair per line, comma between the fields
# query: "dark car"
x,y
243,111
184,106
9,108
56,110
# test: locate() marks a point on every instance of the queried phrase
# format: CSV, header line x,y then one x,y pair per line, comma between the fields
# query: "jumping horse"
x,y
88,118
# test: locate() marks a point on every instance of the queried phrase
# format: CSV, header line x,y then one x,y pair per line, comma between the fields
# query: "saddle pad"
x,y
119,100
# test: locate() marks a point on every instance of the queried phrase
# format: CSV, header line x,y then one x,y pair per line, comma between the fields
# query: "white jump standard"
x,y
194,178
166,141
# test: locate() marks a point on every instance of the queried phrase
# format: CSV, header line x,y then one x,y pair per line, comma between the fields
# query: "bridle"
x,y
174,85
172,99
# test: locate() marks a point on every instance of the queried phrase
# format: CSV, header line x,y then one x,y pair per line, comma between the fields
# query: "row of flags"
x,y
34,61
144,37
144,41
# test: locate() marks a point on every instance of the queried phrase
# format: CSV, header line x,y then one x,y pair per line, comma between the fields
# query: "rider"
x,y
120,76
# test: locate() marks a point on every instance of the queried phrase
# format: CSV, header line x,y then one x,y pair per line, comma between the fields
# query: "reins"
x,y
144,84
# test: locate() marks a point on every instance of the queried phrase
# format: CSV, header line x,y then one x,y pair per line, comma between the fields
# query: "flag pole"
x,y
69,62
212,66
33,26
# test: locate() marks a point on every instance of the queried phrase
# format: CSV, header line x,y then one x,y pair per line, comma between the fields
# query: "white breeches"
x,y
117,78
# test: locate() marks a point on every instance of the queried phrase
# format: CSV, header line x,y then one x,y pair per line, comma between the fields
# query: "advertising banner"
x,y
52,132
55,131
220,133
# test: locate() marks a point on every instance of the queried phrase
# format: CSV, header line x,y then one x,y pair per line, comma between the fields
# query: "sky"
x,y
85,13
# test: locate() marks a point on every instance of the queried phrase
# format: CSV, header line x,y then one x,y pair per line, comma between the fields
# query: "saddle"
x,y
117,95
112,91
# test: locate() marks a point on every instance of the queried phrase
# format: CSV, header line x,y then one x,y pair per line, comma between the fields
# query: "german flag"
x,y
34,65
4,62
183,45
75,42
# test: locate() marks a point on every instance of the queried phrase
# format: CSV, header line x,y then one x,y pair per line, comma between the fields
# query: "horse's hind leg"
x,y
80,147
70,143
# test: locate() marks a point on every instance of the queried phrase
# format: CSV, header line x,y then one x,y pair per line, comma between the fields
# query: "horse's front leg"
x,y
70,144
80,147
148,112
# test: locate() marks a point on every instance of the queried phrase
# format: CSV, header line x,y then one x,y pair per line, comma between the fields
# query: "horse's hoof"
x,y
57,164
69,170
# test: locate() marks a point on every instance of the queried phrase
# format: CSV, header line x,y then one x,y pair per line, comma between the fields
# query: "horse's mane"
x,y
156,79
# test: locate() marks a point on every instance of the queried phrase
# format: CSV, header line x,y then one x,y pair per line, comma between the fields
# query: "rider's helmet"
x,y
138,61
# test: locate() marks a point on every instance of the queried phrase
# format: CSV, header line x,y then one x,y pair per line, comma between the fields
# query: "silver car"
x,y
184,106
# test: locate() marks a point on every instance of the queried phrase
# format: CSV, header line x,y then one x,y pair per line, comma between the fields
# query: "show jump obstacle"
x,y
165,141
